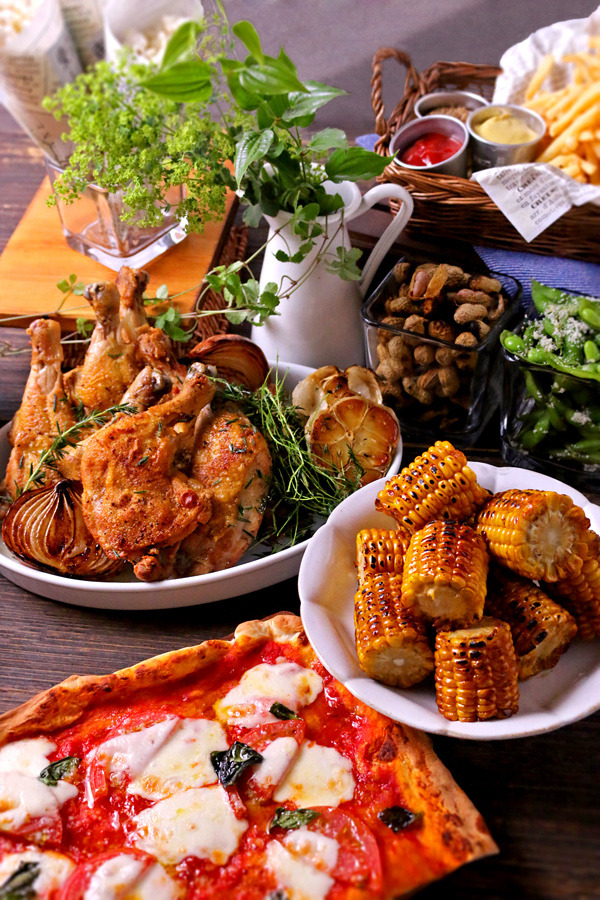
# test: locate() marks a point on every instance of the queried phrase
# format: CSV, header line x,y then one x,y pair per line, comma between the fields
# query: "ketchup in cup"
x,y
430,149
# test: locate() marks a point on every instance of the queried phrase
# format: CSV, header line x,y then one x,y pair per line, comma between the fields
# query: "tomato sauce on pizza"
x,y
253,775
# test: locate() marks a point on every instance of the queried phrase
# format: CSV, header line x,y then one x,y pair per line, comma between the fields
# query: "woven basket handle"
x,y
412,88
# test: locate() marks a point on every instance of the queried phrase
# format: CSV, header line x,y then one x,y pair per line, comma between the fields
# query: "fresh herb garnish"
x,y
19,885
398,818
143,461
292,818
53,773
280,711
229,764
50,457
301,491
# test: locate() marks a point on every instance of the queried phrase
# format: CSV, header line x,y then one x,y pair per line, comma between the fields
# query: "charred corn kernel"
x,y
580,593
380,551
541,629
445,572
537,534
437,485
391,641
476,672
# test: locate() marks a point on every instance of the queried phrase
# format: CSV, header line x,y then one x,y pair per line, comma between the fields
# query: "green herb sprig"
x,y
50,457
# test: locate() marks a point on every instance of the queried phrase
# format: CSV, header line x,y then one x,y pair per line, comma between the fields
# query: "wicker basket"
x,y
446,205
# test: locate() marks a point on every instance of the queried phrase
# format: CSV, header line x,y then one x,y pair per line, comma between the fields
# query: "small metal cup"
x,y
487,154
447,125
437,99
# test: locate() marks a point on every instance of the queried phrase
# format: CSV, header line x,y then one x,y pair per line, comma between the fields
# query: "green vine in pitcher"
x,y
143,129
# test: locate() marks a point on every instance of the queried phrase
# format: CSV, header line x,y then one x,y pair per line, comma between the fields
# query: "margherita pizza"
x,y
234,770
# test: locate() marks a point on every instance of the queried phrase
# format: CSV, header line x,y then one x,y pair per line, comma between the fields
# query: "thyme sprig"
x,y
67,438
301,491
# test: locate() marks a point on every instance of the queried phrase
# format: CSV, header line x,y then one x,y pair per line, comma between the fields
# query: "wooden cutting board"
x,y
37,257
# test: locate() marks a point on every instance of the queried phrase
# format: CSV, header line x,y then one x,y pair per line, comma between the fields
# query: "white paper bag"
x,y
33,64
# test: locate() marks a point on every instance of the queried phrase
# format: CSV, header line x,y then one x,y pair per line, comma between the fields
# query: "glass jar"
x,y
551,422
438,389
92,225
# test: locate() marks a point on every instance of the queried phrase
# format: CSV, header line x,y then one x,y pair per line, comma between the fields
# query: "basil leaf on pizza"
x,y
292,818
19,886
398,818
280,711
58,770
229,764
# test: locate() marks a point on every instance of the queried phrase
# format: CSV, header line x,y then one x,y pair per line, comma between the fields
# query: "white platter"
x,y
327,582
125,592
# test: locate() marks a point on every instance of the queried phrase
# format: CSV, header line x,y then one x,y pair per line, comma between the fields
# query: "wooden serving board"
x,y
37,257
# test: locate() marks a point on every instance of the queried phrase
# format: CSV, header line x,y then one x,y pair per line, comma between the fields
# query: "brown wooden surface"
x,y
28,290
540,796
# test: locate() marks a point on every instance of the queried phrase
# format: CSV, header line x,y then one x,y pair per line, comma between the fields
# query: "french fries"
x,y
572,114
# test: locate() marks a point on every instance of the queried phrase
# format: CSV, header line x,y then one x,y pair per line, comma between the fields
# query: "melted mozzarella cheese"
x,y
54,869
182,762
130,753
286,682
196,822
24,799
114,877
277,756
30,757
154,884
127,877
316,849
320,776
299,879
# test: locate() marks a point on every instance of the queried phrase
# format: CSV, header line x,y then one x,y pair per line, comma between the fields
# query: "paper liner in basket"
x,y
533,196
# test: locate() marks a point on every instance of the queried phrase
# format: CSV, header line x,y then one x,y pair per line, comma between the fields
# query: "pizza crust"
x,y
65,703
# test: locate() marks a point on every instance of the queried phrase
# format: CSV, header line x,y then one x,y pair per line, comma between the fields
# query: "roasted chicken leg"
x,y
45,407
136,497
231,459
110,364
131,284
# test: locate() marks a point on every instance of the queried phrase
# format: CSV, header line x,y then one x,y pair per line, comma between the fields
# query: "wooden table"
x,y
540,796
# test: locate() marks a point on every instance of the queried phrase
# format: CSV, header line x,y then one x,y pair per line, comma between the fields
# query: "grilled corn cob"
x,y
391,641
380,551
541,629
476,672
437,485
538,534
580,594
445,572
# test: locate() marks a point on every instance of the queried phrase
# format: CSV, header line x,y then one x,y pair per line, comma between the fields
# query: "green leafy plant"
x,y
142,129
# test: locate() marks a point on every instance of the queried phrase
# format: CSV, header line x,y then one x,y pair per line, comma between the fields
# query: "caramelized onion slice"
x,y
235,358
46,529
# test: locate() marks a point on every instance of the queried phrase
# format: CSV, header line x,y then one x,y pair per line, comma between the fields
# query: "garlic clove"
x,y
236,359
45,528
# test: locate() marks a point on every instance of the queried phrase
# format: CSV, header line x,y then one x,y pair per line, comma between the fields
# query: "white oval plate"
x,y
126,592
327,583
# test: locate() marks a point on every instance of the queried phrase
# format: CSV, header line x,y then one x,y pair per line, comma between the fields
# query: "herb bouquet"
x,y
202,113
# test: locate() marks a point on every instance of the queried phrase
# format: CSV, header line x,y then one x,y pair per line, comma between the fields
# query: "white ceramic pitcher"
x,y
320,323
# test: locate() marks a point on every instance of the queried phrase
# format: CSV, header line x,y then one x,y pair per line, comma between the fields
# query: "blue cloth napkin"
x,y
555,271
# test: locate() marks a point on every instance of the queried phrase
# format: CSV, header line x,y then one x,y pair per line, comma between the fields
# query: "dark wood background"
x,y
540,796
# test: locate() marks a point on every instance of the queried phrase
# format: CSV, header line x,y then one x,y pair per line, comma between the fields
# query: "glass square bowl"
x,y
439,389
550,422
